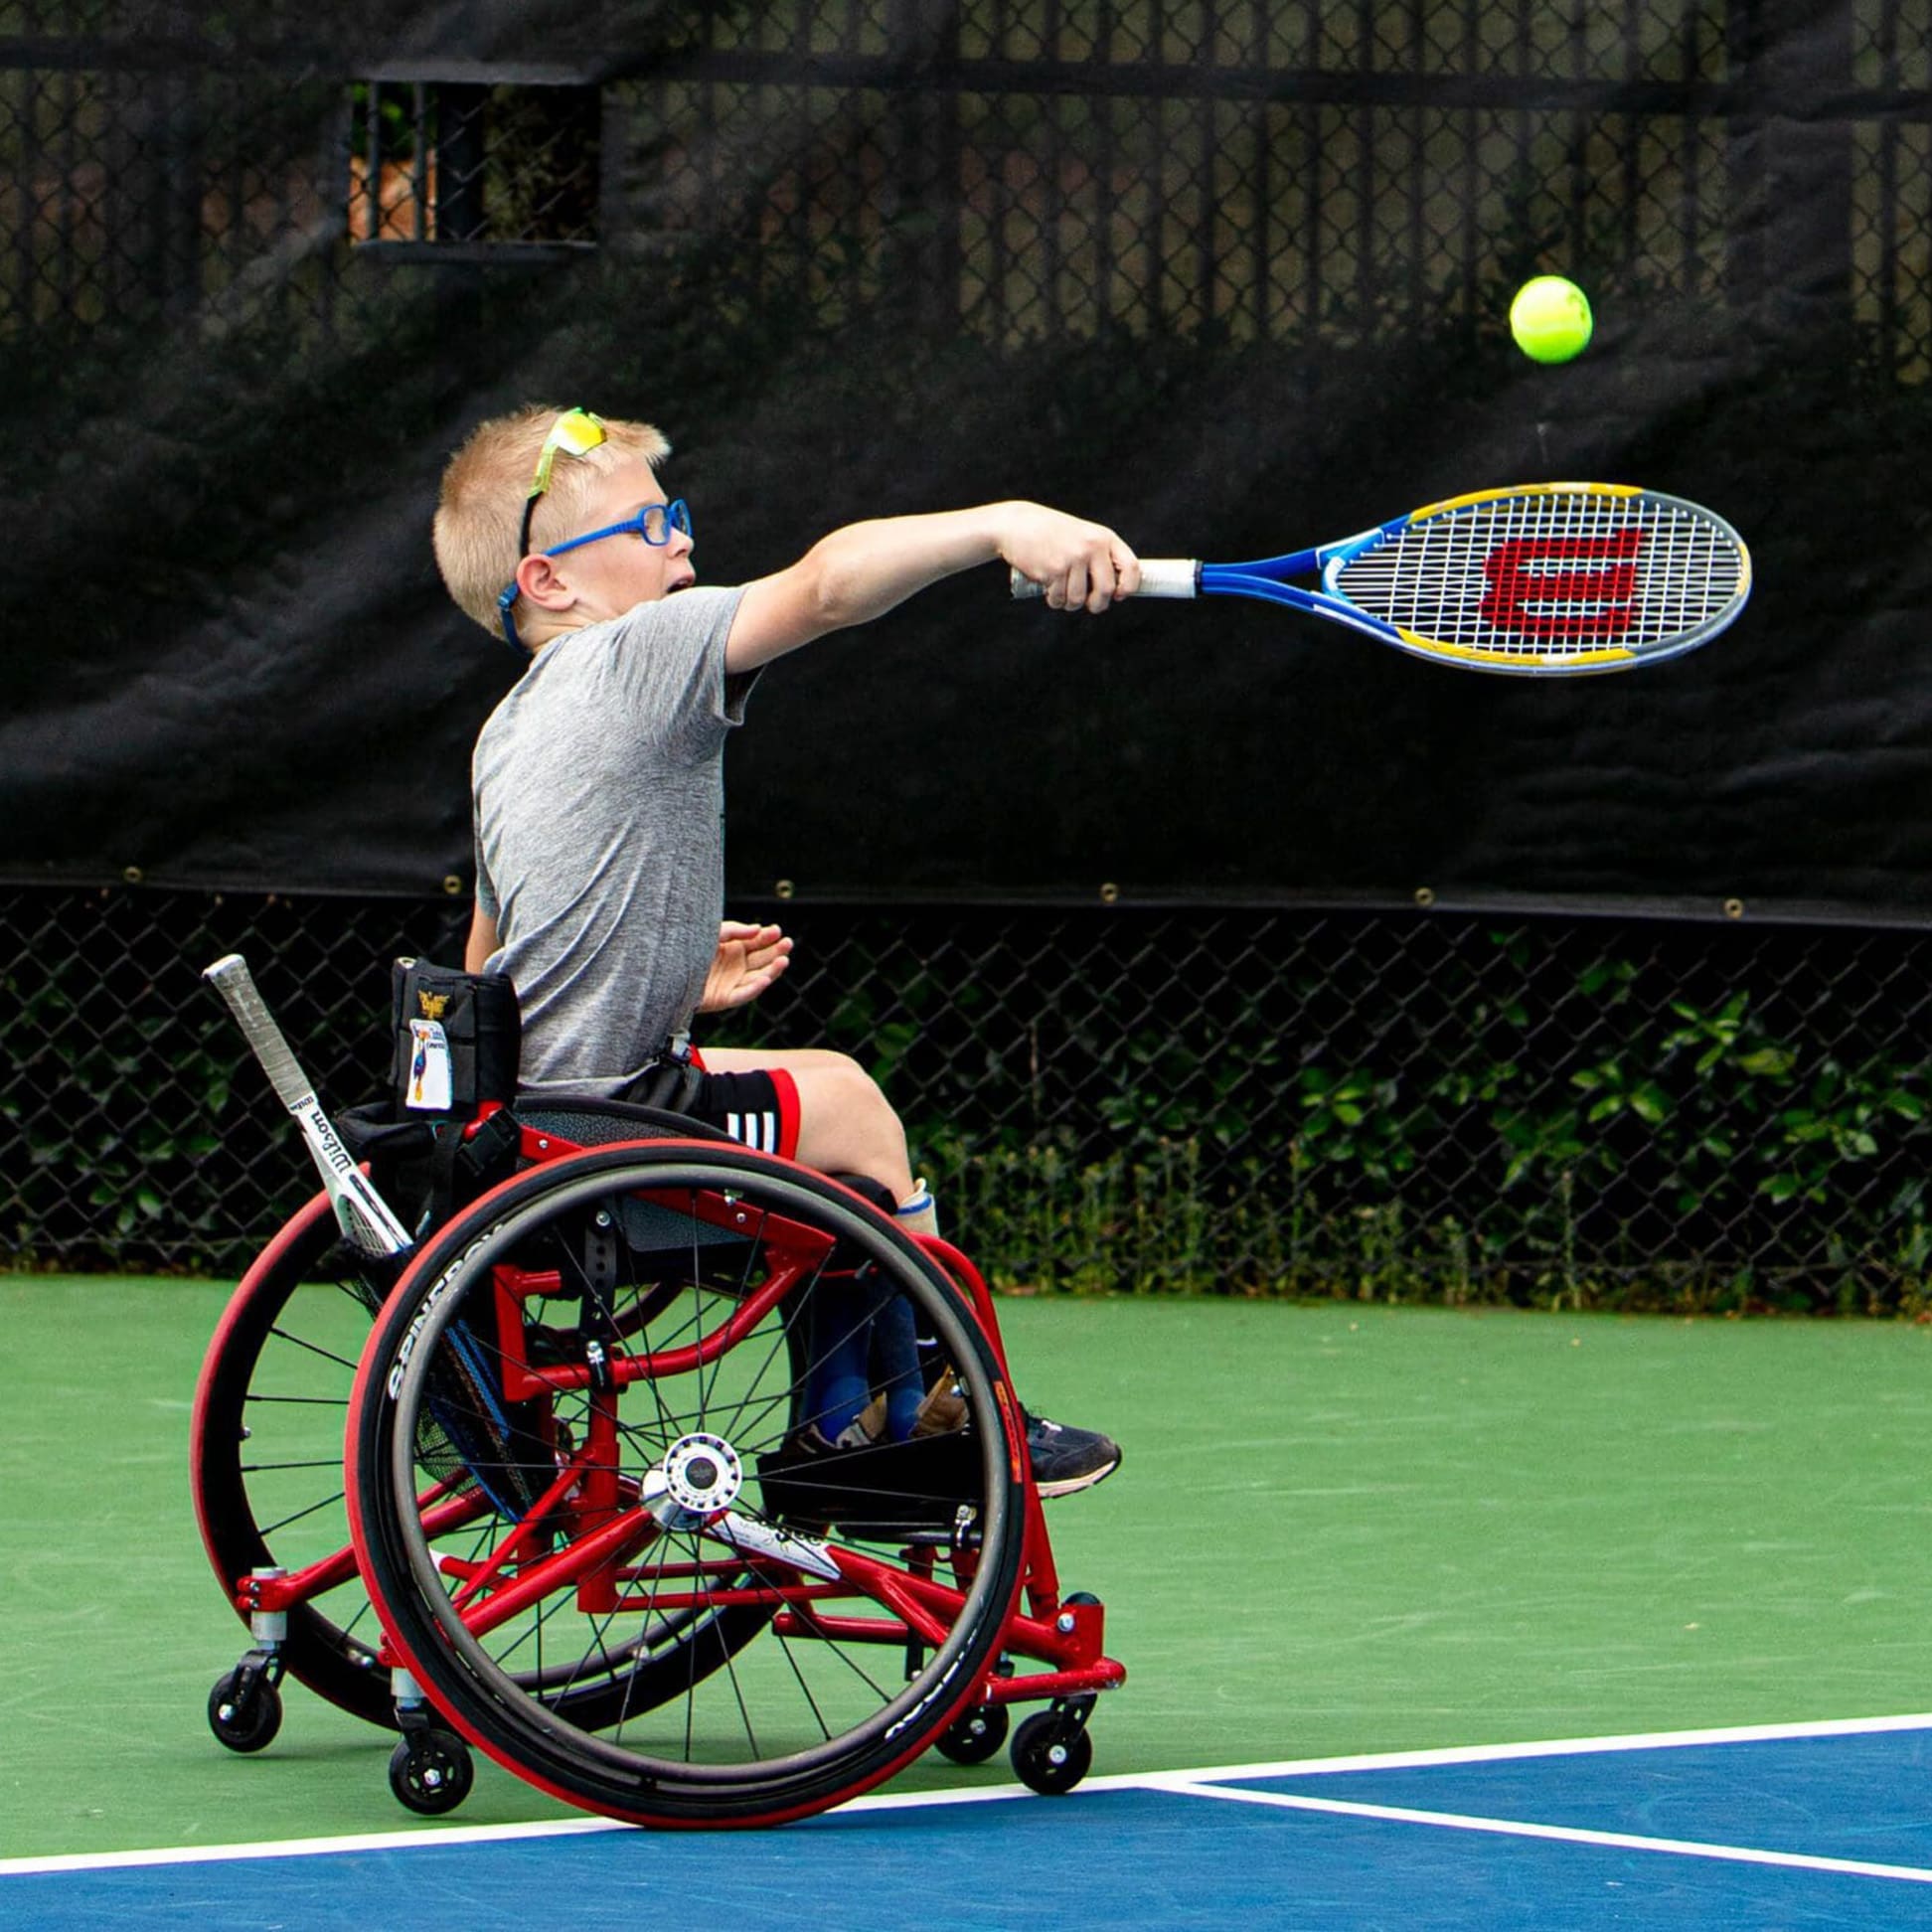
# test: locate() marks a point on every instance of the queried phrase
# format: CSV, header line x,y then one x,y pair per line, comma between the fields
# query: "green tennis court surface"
x,y
1338,1529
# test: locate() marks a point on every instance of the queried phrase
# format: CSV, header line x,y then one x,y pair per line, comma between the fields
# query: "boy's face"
x,y
612,575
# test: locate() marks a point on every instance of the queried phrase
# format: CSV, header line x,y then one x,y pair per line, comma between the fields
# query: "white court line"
x,y
423,1837
1552,1747
1563,1834
1192,1783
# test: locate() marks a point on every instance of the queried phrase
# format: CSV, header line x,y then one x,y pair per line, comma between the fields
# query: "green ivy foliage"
x,y
1701,1119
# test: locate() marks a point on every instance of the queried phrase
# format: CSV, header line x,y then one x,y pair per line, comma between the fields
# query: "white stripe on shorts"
x,y
758,1131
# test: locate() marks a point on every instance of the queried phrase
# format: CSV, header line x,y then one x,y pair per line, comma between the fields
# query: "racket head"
x,y
1545,580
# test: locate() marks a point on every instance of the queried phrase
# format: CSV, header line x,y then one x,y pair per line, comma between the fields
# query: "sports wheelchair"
x,y
587,1529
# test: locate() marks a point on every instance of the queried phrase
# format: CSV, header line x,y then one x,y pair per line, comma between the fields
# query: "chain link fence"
x,y
1316,1102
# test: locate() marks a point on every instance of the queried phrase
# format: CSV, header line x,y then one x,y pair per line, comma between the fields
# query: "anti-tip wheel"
x,y
974,1736
245,1710
431,1771
1049,1757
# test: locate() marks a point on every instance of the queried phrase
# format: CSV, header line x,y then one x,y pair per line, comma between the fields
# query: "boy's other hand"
x,y
1078,564
748,959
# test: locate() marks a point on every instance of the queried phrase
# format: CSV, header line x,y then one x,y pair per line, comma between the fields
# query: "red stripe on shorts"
x,y
787,1091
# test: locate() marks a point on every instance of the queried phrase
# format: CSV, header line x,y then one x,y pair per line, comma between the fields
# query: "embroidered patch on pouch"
x,y
429,1074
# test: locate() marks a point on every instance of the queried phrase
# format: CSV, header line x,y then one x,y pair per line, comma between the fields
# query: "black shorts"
x,y
760,1109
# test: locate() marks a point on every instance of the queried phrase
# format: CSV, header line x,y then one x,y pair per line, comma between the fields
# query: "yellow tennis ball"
x,y
1551,319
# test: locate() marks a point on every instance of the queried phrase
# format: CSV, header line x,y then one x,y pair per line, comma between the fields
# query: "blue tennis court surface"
x,y
1806,1826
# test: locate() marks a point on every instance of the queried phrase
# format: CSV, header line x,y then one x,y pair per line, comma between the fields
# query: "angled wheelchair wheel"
x,y
266,1467
617,1359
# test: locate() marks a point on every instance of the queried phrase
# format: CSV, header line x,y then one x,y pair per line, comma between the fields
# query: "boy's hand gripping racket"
x,y
365,1216
1546,579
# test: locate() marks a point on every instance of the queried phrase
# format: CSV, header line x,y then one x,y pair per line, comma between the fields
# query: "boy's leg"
x,y
842,1123
822,1109
846,1125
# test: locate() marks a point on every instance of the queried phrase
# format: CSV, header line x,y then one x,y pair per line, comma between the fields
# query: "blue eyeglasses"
x,y
654,522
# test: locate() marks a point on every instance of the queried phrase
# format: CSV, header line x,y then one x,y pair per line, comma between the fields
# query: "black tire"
x,y
975,1736
243,1716
1049,1757
707,1394
431,1771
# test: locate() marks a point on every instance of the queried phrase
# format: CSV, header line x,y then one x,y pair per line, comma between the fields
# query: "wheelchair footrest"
x,y
918,1489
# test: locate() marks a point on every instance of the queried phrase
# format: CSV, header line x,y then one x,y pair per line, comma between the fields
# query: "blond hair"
x,y
479,512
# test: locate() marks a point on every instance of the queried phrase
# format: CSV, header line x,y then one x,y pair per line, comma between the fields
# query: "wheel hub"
x,y
703,1474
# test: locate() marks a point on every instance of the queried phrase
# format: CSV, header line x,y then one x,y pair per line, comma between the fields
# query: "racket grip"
x,y
1160,577
231,979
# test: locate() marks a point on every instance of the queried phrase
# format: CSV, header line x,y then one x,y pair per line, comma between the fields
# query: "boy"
x,y
598,781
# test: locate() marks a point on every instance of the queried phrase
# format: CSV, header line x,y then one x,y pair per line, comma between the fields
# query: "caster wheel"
x,y
431,1771
1048,1758
973,1737
245,1710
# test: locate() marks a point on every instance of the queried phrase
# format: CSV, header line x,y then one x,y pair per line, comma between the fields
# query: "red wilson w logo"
x,y
1563,587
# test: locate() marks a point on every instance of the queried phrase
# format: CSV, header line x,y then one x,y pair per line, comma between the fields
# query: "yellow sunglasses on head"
x,y
576,433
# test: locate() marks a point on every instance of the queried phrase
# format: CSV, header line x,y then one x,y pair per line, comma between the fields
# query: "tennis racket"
x,y
366,1219
1547,580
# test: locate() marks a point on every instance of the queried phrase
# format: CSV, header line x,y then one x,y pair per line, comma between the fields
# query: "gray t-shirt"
x,y
599,793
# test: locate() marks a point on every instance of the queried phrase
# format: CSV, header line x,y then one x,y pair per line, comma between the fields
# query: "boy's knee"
x,y
853,1092
845,1122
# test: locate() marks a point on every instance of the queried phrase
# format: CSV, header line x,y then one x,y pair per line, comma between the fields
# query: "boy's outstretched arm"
x,y
863,570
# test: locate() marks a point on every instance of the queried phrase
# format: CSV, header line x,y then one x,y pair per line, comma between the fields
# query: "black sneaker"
x,y
1067,1460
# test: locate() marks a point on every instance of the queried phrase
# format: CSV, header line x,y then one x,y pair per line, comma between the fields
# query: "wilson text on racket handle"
x,y
1160,577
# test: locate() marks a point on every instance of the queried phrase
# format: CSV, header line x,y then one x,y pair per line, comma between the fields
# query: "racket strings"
x,y
1550,575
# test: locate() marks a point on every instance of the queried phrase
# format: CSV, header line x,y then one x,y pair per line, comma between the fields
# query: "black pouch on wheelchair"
x,y
459,1039
455,1046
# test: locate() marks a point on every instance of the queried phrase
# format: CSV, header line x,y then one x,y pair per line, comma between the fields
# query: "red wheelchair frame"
x,y
645,1539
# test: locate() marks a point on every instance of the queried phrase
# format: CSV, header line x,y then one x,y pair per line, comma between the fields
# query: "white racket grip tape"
x,y
363,1215
231,979
1169,576
1160,577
